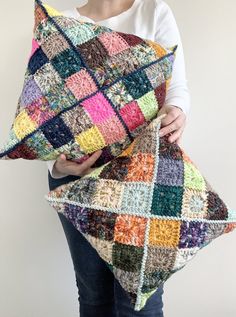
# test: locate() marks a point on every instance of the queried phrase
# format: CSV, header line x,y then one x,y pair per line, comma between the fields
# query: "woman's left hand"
x,y
174,122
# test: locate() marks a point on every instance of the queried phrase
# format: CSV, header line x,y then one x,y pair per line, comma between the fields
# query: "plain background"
x,y
36,273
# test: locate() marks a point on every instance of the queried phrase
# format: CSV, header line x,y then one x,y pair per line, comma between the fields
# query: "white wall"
x,y
36,273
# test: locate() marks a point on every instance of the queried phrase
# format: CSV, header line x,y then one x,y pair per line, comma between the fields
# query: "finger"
x,y
175,136
62,158
175,125
91,160
170,117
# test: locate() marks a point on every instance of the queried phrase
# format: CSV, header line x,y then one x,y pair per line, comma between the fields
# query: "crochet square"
x,y
101,224
57,132
66,63
54,44
132,110
136,198
130,229
98,108
121,64
112,130
40,144
130,39
194,203
46,77
39,111
137,84
31,92
93,52
60,98
155,75
113,42
37,60
148,105
77,35
164,233
104,247
192,234
170,172
77,119
128,280
108,196
23,125
137,174
90,140
23,151
127,257
184,256
167,200
143,53
161,257
217,209
160,93
193,178
81,84
152,281
118,95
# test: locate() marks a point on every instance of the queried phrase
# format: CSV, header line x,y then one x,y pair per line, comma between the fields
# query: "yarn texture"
x,y
147,212
86,87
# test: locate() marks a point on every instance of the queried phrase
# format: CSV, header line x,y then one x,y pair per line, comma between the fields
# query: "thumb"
x,y
61,157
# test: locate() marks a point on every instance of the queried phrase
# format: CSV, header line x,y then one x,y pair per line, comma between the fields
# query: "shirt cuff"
x,y
54,173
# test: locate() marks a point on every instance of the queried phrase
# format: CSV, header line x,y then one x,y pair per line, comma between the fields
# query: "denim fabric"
x,y
99,293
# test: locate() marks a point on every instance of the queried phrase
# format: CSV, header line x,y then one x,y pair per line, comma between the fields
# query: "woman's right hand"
x,y
65,166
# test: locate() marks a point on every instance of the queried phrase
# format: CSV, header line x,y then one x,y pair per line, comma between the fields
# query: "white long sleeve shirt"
x,y
153,20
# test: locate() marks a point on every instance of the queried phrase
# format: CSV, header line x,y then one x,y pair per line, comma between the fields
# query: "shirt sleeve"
x,y
167,34
53,172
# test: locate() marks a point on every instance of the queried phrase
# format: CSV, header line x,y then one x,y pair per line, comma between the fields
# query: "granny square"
x,y
147,212
119,80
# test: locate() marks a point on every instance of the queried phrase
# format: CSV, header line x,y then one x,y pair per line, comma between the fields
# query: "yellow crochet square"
x,y
90,140
164,232
158,49
23,125
51,11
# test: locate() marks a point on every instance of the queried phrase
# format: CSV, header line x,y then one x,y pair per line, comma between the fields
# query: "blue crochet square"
x,y
137,84
37,60
57,132
67,63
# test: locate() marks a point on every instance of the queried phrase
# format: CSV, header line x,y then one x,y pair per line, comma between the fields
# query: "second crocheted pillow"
x,y
86,87
147,213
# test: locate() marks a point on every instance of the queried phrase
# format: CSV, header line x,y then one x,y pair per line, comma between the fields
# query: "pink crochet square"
x,y
35,46
98,108
81,84
112,130
132,115
113,42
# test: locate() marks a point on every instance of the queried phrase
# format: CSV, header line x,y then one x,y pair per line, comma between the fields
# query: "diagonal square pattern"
x,y
152,206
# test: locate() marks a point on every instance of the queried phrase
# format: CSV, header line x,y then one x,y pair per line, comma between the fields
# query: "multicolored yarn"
x,y
147,212
86,87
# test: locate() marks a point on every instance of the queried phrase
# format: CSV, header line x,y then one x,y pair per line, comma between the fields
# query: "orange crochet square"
x,y
164,232
140,168
130,229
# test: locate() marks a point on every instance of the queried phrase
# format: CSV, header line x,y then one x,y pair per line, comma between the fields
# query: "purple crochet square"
x,y
77,215
30,93
192,234
170,172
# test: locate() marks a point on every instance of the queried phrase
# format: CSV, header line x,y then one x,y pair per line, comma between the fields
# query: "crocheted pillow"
x,y
147,212
86,87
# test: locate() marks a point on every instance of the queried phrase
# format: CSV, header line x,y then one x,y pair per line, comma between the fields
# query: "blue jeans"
x,y
100,294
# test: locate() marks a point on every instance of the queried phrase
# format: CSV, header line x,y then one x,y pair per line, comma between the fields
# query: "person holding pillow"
x,y
100,294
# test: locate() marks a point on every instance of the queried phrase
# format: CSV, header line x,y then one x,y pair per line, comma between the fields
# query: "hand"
x,y
65,166
174,121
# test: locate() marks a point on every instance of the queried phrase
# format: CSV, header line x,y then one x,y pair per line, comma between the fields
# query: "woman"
x,y
100,294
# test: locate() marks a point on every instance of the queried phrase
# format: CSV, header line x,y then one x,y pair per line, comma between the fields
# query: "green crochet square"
x,y
167,200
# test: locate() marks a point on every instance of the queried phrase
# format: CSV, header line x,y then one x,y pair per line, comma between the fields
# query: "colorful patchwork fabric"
x,y
86,87
147,212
